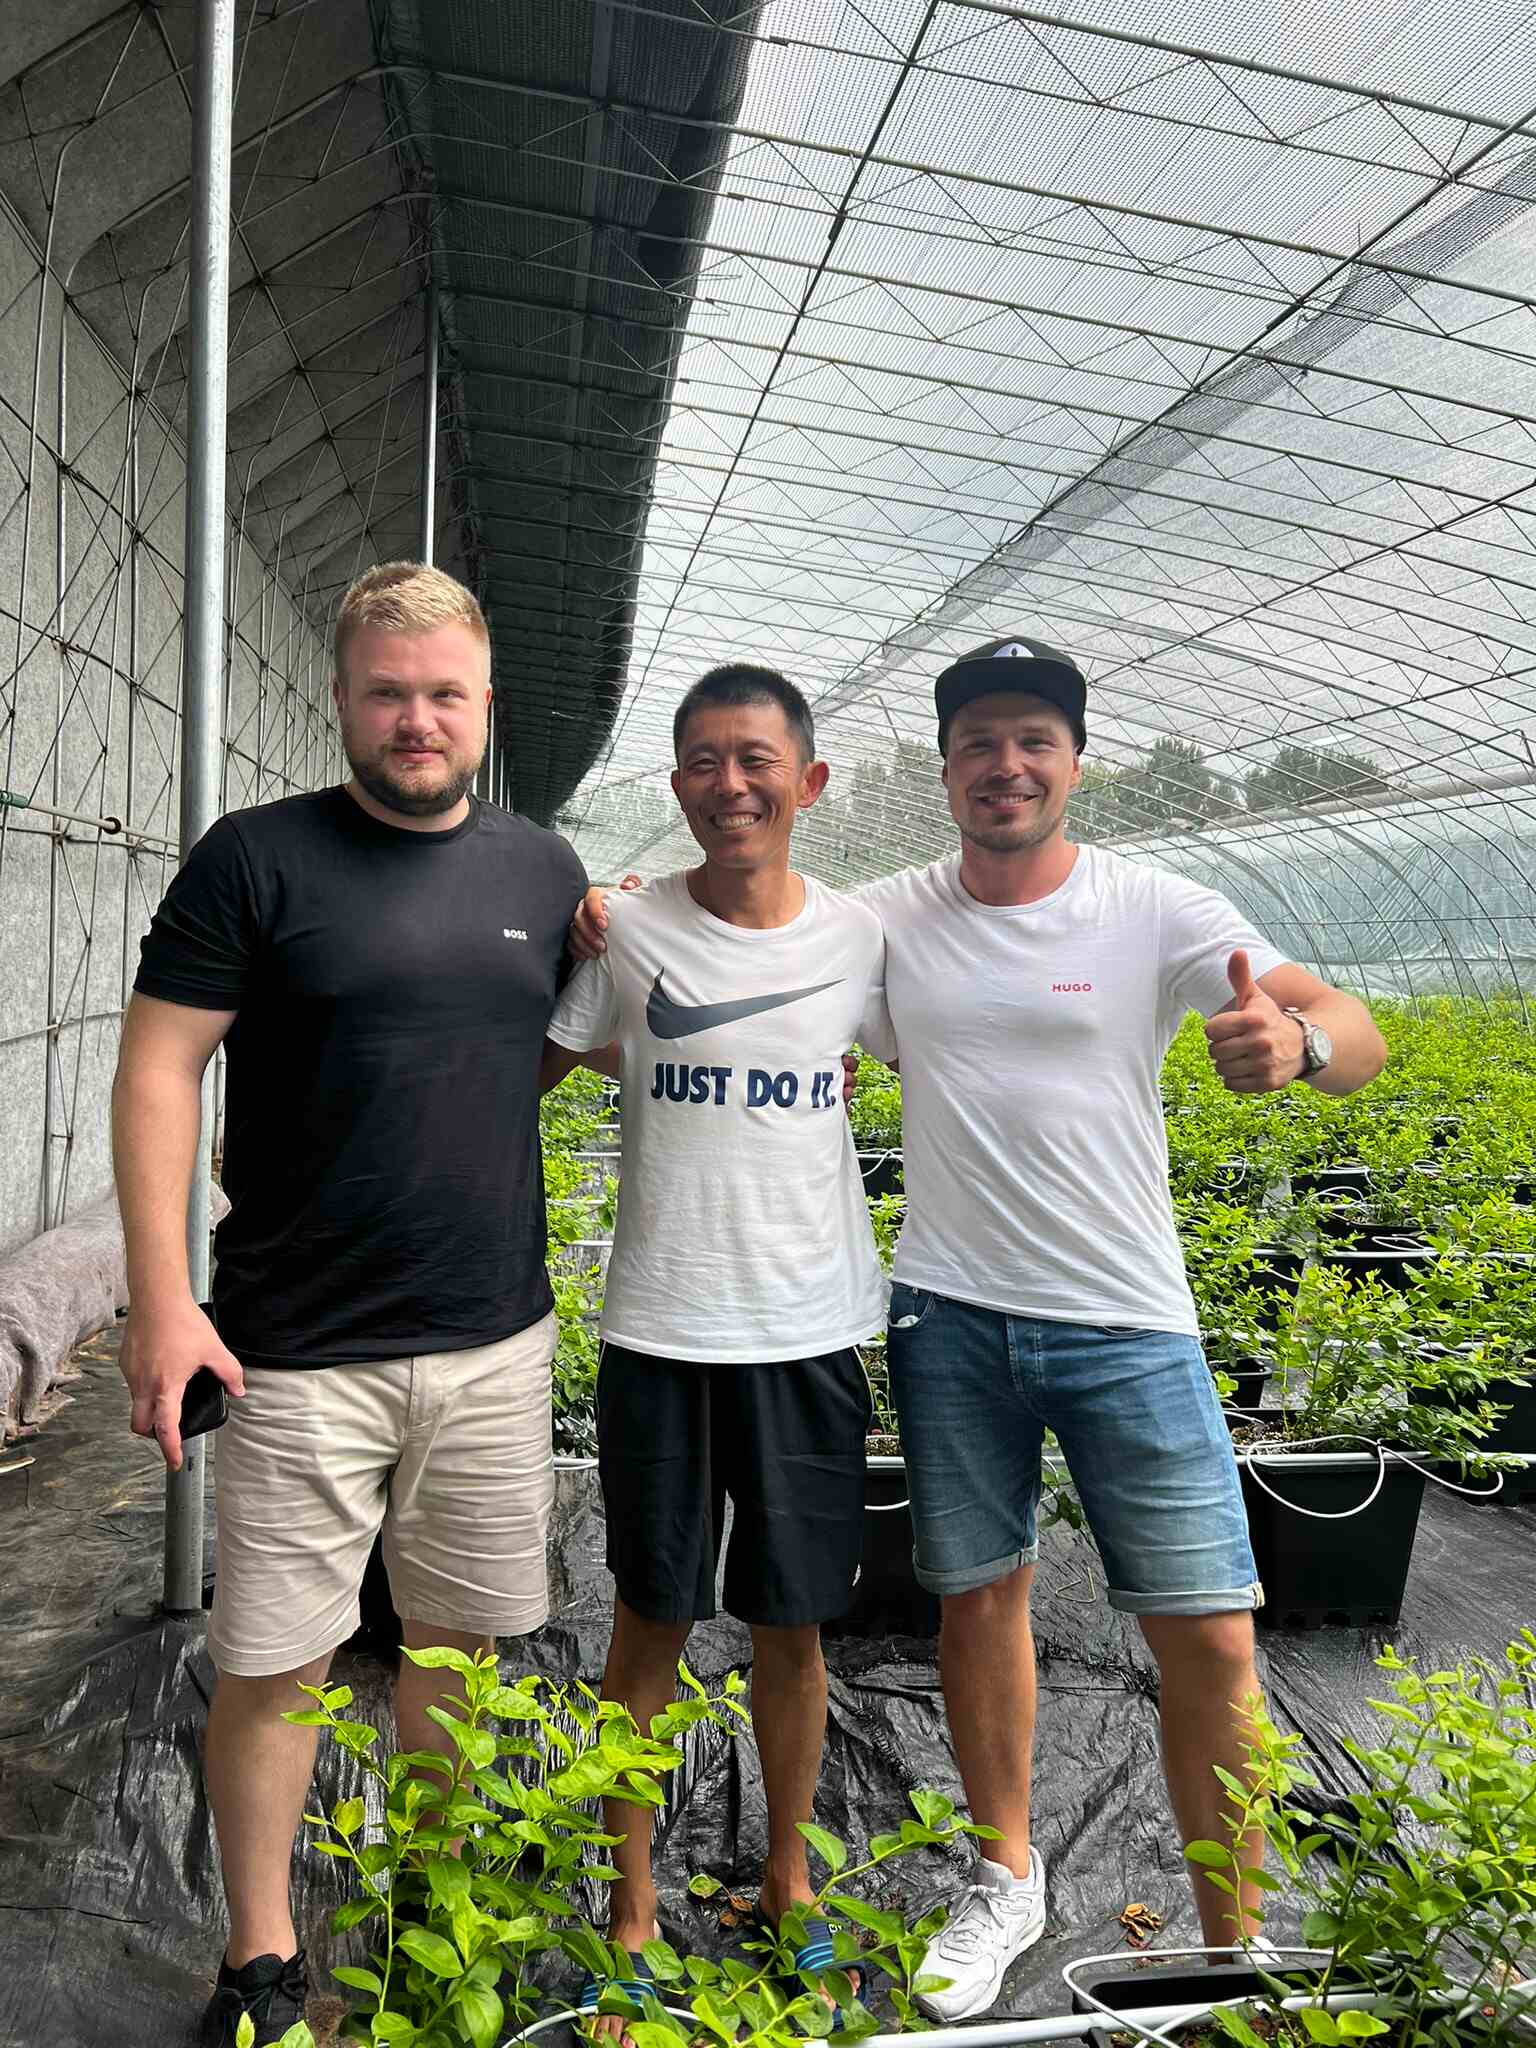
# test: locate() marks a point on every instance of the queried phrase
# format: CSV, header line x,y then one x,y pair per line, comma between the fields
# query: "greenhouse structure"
x,y
1197,340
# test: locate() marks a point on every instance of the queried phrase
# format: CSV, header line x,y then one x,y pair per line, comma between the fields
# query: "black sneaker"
x,y
271,1991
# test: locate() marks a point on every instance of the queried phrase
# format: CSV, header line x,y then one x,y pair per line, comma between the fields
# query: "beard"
x,y
1021,837
411,802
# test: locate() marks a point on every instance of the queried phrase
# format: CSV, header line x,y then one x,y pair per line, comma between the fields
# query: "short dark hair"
x,y
744,682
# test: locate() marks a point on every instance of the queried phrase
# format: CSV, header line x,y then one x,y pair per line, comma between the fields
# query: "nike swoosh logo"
x,y
666,1019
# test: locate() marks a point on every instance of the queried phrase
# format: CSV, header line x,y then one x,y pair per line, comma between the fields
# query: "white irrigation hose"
x,y
1277,1453
1144,2020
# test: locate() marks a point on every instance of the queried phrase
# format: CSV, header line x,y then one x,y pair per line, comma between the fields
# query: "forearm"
x,y
1359,1051
559,1060
156,1117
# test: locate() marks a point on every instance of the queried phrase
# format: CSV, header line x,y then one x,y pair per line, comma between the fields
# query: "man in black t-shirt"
x,y
380,961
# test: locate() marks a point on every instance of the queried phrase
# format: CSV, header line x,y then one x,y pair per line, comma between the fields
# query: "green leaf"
x,y
1233,2023
666,1965
932,1808
348,1815
827,1847
307,1717
1321,1930
431,1951
245,2031
437,1658
1360,2026
392,2026
1320,2025
1212,1854
359,1980
703,1886
353,1913
482,2011
448,1879
297,2036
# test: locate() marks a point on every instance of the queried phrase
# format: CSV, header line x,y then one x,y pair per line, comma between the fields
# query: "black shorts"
x,y
785,1441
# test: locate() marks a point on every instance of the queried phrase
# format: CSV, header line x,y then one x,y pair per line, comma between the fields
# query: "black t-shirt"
x,y
381,1145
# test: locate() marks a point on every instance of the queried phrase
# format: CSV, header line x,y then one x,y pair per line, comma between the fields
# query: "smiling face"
x,y
740,778
412,708
1010,768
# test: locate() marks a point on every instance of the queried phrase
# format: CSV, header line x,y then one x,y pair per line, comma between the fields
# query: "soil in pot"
x,y
1349,1570
1189,1984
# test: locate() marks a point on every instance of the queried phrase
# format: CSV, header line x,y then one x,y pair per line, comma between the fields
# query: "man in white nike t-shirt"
x,y
743,1274
1034,987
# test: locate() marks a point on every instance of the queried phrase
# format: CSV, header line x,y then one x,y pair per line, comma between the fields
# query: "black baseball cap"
x,y
1013,663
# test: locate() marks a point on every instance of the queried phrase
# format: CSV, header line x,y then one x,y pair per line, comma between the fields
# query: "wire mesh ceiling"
x,y
1211,360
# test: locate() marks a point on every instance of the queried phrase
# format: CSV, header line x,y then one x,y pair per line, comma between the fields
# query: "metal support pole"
x,y
203,647
429,429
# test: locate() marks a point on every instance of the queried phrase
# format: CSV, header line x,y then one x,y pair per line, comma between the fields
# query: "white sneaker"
x,y
993,1920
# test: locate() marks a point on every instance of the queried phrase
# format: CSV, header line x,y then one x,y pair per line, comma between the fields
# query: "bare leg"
x,y
258,1769
789,1719
1206,1663
641,1674
987,1664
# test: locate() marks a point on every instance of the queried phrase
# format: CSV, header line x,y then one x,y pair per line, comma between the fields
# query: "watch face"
x,y
1319,1047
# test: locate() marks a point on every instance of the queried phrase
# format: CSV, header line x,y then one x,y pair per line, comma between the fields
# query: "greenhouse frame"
x,y
836,335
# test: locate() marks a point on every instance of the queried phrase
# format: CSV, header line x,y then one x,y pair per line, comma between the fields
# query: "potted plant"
x,y
1333,1477
1495,1293
1419,1883
471,1865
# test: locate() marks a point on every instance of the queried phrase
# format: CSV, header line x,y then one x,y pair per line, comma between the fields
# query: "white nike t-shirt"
x,y
742,1229
1031,1041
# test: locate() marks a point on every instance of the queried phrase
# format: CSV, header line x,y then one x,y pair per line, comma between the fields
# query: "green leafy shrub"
x,y
475,1877
1420,1882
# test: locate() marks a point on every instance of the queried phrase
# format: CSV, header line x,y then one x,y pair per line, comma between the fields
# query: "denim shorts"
x,y
1138,1420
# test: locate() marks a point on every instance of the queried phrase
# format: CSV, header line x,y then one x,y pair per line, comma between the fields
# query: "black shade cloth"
x,y
111,1921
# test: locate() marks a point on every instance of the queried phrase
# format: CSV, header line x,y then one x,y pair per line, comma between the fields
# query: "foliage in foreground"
x,y
478,1874
1421,1882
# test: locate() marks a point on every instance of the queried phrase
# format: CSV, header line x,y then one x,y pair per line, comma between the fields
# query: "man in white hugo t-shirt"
x,y
743,1274
1039,1281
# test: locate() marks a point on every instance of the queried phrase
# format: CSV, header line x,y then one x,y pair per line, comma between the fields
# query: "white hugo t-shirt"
x,y
742,1229
1031,1041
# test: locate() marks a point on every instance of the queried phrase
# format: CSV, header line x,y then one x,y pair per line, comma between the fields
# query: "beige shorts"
x,y
448,1452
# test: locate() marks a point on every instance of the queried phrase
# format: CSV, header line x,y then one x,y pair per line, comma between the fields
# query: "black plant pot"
x,y
1252,1376
1276,1274
1349,1178
1517,1431
1350,1570
1179,1984
882,1173
887,1600
1393,1259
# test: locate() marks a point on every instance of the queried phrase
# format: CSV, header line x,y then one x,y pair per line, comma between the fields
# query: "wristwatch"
x,y
1316,1046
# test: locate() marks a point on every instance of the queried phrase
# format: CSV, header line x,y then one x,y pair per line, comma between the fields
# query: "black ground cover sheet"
x,y
110,1914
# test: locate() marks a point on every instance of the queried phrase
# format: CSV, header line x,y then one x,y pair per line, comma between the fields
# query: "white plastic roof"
x,y
1196,338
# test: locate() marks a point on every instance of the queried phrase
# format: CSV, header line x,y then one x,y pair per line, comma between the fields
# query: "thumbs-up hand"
x,y
1255,1047
1244,987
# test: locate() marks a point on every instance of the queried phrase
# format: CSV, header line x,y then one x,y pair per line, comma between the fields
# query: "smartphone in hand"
x,y
204,1404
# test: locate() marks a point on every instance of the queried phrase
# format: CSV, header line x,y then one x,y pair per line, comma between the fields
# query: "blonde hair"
x,y
405,597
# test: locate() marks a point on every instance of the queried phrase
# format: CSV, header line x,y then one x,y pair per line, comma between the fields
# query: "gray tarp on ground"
x,y
110,1921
